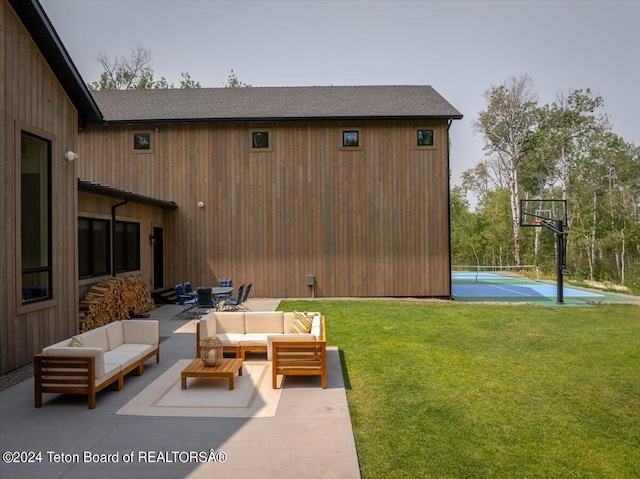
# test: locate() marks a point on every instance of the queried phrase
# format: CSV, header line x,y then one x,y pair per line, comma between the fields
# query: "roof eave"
x,y
48,42
281,118
105,190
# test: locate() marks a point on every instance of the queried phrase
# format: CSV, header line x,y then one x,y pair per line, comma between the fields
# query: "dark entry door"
x,y
158,258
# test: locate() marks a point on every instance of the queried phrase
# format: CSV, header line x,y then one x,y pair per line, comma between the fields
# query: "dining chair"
x,y
205,301
243,306
233,303
225,283
186,301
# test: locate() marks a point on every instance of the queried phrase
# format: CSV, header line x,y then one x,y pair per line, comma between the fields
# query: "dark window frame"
x,y
257,140
91,260
421,138
42,290
346,143
144,146
126,247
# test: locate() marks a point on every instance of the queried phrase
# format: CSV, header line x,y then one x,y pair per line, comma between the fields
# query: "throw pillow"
x,y
301,323
76,342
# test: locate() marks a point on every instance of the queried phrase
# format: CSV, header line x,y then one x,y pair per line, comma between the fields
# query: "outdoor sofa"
x,y
280,334
91,361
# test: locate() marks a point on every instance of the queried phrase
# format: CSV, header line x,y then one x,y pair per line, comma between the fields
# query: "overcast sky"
x,y
461,48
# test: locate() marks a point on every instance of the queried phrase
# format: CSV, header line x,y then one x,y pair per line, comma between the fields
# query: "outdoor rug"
x,y
252,395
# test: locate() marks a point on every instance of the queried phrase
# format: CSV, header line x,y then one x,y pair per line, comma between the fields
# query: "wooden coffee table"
x,y
227,368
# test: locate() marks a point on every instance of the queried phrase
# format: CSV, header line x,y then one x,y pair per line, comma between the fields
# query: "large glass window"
x,y
35,218
126,249
93,247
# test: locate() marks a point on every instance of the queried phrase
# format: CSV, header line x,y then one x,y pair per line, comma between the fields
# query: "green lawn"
x,y
446,390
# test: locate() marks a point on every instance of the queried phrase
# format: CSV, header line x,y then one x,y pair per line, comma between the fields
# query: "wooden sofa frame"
x,y
300,358
76,375
289,357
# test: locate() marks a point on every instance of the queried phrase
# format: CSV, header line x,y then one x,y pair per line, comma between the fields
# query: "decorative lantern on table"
x,y
211,351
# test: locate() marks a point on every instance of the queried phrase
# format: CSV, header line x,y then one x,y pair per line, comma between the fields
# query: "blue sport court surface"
x,y
487,286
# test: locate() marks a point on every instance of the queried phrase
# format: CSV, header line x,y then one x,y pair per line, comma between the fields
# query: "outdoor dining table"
x,y
221,293
221,290
215,291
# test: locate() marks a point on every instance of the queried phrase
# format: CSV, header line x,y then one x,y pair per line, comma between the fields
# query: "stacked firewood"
x,y
114,299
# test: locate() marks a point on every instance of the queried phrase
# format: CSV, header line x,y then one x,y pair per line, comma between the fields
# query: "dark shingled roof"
x,y
274,103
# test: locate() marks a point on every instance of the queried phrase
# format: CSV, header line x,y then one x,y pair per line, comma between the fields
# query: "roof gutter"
x,y
261,119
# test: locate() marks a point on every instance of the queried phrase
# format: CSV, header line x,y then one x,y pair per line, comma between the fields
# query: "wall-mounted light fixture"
x,y
70,155
152,239
200,204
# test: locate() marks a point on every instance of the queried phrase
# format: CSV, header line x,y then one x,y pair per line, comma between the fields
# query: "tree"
x,y
233,82
566,150
465,250
506,126
134,73
556,141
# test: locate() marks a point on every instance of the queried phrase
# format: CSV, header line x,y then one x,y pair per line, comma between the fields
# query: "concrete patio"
x,y
310,436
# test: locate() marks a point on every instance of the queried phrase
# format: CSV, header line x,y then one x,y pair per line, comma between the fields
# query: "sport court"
x,y
469,286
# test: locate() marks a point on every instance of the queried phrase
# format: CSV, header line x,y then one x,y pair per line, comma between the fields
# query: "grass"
x,y
442,390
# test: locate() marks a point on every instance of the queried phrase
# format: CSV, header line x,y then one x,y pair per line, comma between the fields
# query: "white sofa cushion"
x,y
288,318
81,351
254,339
115,335
207,326
95,338
138,331
230,322
264,322
316,326
123,358
140,349
231,339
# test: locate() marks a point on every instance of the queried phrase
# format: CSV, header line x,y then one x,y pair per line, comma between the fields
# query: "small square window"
x,y
425,137
260,139
142,141
350,138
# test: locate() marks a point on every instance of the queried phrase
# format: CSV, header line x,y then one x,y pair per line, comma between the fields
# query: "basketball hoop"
x,y
536,222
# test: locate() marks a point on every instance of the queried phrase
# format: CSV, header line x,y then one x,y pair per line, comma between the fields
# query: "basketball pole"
x,y
561,265
560,234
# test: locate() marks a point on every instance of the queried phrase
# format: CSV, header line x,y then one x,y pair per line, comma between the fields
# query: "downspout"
x,y
449,122
113,235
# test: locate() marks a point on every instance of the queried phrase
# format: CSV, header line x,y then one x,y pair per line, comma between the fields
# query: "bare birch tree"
x,y
506,125
134,73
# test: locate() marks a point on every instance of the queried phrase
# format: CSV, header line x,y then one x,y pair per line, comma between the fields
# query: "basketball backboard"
x,y
535,212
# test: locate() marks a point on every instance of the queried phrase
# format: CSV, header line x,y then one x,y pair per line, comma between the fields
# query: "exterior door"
x,y
158,258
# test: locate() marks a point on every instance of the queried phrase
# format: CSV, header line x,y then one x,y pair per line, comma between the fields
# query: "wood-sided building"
x,y
44,105
349,185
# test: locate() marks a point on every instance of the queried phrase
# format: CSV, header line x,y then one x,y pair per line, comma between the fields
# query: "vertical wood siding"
x,y
96,206
368,222
33,100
